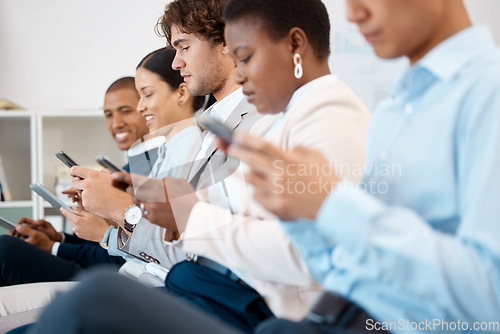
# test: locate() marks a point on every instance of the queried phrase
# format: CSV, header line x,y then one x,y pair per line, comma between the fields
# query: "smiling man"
x,y
32,261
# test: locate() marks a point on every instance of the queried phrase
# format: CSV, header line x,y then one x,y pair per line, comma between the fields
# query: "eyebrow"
x,y
143,88
119,108
178,41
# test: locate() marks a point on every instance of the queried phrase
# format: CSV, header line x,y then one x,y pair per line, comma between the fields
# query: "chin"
x,y
124,146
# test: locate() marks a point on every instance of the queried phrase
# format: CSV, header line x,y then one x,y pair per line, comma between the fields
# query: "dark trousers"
x,y
22,263
111,303
233,302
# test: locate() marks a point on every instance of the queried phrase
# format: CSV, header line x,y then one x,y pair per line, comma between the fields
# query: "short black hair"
x,y
122,83
279,16
160,63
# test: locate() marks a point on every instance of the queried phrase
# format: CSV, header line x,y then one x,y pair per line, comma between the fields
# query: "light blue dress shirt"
x,y
419,239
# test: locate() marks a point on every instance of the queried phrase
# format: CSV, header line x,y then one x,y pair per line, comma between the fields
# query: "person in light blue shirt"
x,y
417,241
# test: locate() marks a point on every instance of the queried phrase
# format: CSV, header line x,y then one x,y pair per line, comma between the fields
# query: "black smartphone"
x,y
217,128
106,163
66,159
7,224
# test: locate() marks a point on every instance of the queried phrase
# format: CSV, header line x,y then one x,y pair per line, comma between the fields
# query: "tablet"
x,y
5,223
49,197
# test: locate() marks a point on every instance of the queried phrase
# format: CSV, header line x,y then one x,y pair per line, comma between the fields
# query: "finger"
x,y
79,171
68,214
107,171
79,184
258,181
25,230
69,191
130,191
258,162
222,144
122,177
25,220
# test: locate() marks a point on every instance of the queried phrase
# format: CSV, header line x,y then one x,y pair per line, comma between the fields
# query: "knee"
x,y
9,247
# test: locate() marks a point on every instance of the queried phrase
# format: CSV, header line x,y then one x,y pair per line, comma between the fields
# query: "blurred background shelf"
x,y
28,143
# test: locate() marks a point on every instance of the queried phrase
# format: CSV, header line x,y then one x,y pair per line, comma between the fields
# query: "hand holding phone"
x,y
106,163
217,128
66,159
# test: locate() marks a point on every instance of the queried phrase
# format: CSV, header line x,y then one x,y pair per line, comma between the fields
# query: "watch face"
x,y
133,215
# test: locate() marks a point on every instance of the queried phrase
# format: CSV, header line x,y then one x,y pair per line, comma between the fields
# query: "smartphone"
x,y
5,223
106,163
217,128
49,197
66,159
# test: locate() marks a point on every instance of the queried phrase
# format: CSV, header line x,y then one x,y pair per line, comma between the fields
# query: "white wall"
x,y
58,54
62,54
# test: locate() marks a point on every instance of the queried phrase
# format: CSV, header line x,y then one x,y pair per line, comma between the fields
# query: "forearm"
x,y
397,251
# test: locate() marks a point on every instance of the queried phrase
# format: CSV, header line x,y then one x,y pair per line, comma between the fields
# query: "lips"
x,y
121,136
370,37
185,76
250,95
149,119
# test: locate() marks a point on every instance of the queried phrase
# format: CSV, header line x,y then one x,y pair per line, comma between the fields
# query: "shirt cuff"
x,y
55,248
113,243
305,236
346,214
63,236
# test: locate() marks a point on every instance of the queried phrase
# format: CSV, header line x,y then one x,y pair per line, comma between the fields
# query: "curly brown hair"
x,y
201,17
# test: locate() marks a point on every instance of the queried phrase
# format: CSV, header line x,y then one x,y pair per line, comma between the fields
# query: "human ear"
x,y
297,40
183,93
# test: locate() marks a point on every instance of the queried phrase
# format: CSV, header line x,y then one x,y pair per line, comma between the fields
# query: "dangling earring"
x,y
297,61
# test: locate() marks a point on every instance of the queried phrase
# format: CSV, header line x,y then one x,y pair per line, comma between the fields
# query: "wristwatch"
x,y
132,216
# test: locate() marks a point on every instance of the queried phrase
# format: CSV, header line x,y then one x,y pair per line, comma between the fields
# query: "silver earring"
x,y
297,61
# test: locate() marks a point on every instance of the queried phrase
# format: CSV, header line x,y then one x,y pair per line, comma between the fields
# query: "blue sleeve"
x,y
394,263
73,239
395,253
87,255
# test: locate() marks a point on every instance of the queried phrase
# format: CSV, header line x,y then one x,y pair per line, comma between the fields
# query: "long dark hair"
x,y
160,63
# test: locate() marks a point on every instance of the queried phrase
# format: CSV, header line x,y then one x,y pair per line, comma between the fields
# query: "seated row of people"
x,y
289,230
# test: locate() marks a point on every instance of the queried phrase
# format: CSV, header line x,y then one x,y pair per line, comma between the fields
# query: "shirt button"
x,y
408,108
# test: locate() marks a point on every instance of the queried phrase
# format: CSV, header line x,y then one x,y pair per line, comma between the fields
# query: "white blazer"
x,y
330,119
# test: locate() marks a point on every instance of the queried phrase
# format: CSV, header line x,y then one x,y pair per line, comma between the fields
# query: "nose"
x,y
117,120
240,76
356,12
141,106
178,62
